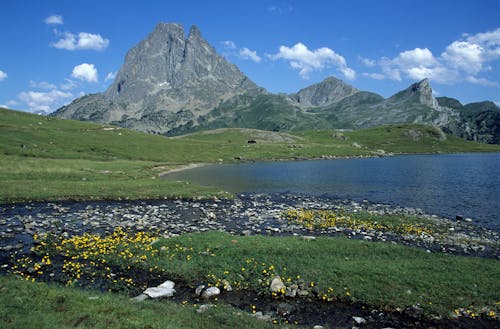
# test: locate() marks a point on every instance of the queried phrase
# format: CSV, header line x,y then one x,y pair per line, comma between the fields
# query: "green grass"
x,y
380,274
27,305
44,158
383,275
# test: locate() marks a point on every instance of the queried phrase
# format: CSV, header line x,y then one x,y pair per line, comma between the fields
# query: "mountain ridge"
x,y
172,84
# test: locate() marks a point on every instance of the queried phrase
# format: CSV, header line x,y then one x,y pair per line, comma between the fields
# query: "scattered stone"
x,y
276,284
199,289
359,320
414,311
308,237
303,293
262,317
318,327
167,284
159,292
210,292
285,309
93,298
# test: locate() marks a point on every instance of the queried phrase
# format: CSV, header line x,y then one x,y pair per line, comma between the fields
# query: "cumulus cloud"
x,y
82,41
462,60
307,61
465,56
3,75
44,101
246,53
54,20
85,72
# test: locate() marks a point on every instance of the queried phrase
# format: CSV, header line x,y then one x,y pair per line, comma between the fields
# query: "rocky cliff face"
x,y
172,84
167,80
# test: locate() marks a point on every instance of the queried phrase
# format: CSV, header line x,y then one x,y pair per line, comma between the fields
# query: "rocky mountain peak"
x,y
419,92
328,91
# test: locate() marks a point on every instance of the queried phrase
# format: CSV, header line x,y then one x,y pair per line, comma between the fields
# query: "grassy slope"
x,y
28,305
45,158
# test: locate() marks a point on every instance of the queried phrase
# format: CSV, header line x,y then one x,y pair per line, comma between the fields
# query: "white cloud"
x,y
91,41
375,76
68,85
82,41
44,101
368,62
42,85
54,20
280,10
228,44
416,64
85,72
306,61
465,56
9,104
3,75
110,76
462,60
482,81
246,53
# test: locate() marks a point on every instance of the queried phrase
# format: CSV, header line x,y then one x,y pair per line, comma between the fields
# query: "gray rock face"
x,y
167,80
170,84
329,91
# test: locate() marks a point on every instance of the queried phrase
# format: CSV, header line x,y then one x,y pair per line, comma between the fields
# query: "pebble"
x,y
210,292
248,214
276,284
359,320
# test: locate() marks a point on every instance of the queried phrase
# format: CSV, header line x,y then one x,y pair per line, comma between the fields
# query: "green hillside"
x,y
45,158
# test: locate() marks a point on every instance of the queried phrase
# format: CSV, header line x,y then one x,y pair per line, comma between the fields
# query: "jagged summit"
x,y
172,83
419,92
166,80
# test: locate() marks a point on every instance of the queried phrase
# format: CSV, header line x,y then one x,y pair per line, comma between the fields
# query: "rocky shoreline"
x,y
247,214
251,214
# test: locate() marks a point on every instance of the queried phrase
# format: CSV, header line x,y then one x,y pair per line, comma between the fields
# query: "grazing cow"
x,y
252,141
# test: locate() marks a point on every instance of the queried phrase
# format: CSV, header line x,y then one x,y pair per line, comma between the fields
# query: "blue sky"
x,y
55,51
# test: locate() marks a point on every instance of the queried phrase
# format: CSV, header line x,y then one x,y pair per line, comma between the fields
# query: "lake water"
x,y
446,185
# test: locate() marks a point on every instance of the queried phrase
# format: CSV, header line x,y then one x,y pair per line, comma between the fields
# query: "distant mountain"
x,y
166,81
482,120
171,85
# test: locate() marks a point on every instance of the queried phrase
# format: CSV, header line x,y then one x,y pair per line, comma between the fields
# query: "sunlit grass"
x,y
379,274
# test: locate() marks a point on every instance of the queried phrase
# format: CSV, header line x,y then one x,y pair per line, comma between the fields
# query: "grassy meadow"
x,y
44,158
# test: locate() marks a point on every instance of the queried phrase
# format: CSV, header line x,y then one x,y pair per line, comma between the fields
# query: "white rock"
x,y
199,289
167,284
308,238
158,292
210,292
276,284
359,320
318,327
